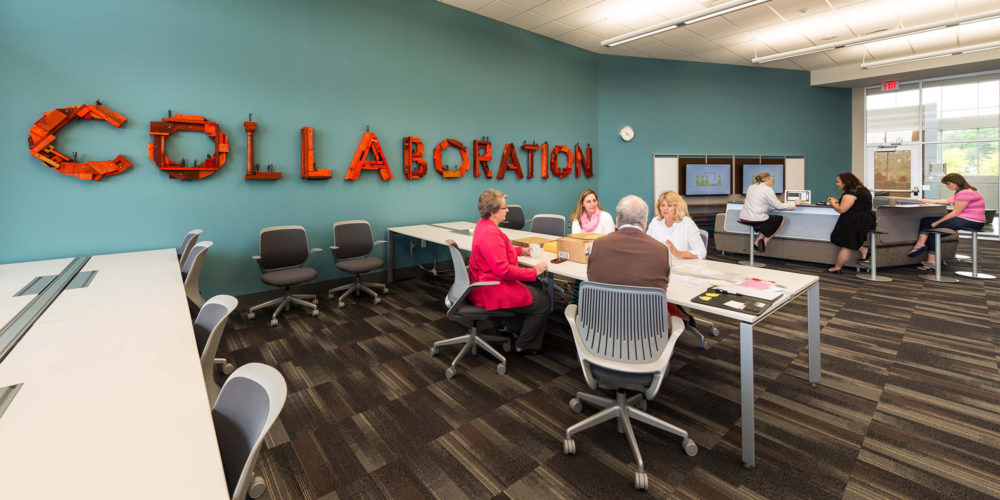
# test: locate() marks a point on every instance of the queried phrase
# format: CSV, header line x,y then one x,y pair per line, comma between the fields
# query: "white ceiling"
x,y
736,38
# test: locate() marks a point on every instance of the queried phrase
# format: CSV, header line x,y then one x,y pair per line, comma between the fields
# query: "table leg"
x,y
746,393
392,247
815,373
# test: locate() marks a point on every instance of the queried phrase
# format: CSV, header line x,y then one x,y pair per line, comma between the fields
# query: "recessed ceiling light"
x,y
875,31
803,10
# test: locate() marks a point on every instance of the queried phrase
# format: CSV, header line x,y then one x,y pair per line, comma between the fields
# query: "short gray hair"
x,y
490,202
631,210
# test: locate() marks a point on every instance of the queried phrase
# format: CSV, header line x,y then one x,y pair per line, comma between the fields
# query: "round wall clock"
x,y
626,133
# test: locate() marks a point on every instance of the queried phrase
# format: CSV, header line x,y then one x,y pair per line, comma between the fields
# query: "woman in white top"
x,y
757,207
589,217
674,228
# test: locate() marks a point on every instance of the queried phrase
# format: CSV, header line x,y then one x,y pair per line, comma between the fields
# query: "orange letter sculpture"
x,y
42,136
157,149
530,148
561,172
482,153
369,144
587,163
509,161
414,164
253,171
308,162
448,173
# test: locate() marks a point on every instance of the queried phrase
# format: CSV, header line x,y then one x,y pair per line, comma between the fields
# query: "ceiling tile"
x,y
751,49
820,33
714,28
934,40
754,18
527,20
676,8
986,31
869,20
815,61
606,29
500,10
783,42
621,50
692,43
663,51
793,9
583,17
738,37
472,5
554,9
720,55
581,38
585,3
837,4
885,49
526,4
552,29
637,18
782,65
968,7
917,12
847,55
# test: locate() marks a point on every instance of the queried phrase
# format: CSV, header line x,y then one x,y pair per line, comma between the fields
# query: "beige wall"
x,y
858,132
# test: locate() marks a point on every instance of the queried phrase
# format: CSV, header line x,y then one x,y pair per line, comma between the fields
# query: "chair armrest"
x,y
256,259
480,284
314,250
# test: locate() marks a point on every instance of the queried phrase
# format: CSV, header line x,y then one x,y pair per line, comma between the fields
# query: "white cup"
x,y
534,249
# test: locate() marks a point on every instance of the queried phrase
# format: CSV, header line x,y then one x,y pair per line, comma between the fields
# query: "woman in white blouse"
x,y
757,208
674,228
589,217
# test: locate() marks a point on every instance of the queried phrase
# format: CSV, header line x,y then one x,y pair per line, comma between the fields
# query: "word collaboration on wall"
x,y
559,161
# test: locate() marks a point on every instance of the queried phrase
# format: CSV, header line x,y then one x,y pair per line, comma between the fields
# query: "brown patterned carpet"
x,y
909,405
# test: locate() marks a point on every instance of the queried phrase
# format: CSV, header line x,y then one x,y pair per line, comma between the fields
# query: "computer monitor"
x,y
794,195
777,171
707,179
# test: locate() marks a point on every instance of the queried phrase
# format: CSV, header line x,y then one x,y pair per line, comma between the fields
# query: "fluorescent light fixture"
x,y
876,37
699,16
932,55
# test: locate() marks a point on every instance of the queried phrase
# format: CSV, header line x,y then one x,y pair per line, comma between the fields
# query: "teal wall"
x,y
404,67
679,107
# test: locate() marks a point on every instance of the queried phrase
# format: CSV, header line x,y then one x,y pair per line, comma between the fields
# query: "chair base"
x,y
472,341
748,263
356,288
869,277
979,276
942,279
286,303
624,409
701,337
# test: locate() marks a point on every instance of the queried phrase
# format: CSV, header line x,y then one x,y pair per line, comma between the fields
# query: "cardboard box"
x,y
526,242
551,246
576,247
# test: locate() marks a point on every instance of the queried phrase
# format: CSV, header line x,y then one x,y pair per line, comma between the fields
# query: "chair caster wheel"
x,y
273,323
690,448
315,301
449,373
715,332
329,296
377,301
228,368
506,347
314,313
288,307
340,305
575,405
385,290
641,481
434,351
251,315
642,404
257,487
501,369
569,447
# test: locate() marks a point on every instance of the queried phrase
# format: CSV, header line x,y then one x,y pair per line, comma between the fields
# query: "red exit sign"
x,y
890,85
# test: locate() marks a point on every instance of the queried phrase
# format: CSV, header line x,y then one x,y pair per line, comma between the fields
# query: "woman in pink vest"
x,y
495,259
969,212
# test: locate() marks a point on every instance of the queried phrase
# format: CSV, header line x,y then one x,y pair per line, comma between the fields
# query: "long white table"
x,y
681,291
113,402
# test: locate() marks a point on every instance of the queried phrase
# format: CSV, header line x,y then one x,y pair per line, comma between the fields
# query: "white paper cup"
x,y
534,249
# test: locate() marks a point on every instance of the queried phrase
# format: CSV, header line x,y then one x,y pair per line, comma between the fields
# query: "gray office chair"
x,y
553,224
247,407
461,311
189,240
284,251
208,328
352,246
624,339
515,218
191,273
692,325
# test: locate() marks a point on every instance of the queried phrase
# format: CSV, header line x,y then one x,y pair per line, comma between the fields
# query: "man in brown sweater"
x,y
629,256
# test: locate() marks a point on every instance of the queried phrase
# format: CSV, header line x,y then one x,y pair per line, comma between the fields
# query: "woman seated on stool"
x,y
969,212
856,219
589,217
674,228
493,258
757,208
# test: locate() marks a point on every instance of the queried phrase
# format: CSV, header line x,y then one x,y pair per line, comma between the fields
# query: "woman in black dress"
x,y
856,218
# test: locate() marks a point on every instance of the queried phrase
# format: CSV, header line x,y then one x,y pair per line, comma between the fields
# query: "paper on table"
x,y
690,280
710,274
734,304
759,285
456,226
751,292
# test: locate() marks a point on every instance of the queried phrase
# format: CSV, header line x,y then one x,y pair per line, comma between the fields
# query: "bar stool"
x,y
937,262
753,236
975,256
873,276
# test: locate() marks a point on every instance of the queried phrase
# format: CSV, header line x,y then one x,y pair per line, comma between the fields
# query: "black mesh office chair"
x,y
514,219
284,251
352,247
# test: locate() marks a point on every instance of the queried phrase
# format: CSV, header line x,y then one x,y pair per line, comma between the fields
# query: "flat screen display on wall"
x,y
707,179
776,171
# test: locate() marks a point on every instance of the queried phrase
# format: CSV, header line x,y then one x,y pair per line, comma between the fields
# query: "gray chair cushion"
x,y
465,309
289,277
615,378
239,417
352,240
357,266
284,247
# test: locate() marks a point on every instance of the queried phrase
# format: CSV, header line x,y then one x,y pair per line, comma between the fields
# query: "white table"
x,y
114,403
680,292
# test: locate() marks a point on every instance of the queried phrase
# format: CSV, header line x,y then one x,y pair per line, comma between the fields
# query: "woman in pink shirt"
x,y
493,258
969,212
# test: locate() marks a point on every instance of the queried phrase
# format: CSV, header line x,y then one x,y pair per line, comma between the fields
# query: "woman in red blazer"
x,y
495,259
